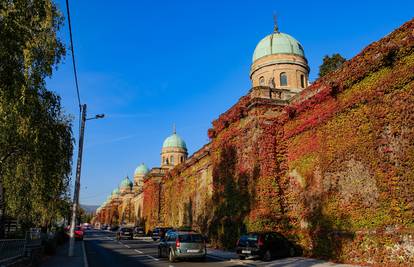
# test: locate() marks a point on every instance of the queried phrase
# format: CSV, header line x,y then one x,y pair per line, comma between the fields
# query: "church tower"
x,y
139,175
174,151
279,63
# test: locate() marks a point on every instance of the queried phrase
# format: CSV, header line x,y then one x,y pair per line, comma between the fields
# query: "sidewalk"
x,y
291,262
61,258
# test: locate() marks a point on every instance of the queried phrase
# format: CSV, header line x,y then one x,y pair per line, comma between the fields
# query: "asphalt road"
x,y
103,250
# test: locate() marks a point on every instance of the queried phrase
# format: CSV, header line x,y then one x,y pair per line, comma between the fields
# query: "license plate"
x,y
246,251
126,233
192,250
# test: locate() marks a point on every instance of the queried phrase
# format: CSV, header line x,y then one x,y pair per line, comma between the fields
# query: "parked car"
x,y
125,232
159,232
139,231
182,245
78,233
266,246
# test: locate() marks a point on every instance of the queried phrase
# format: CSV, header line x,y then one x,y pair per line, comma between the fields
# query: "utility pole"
x,y
77,183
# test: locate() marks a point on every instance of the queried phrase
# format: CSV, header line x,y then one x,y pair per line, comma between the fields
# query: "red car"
x,y
78,232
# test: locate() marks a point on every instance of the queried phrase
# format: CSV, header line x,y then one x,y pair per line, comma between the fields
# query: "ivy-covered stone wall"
x,y
334,170
187,192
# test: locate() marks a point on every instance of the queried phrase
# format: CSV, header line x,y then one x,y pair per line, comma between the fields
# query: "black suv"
x,y
139,231
266,246
124,232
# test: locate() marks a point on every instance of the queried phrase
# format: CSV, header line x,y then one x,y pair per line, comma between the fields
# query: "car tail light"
x,y
260,241
177,243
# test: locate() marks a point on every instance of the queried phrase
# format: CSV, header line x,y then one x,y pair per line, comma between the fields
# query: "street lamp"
x,y
98,116
78,174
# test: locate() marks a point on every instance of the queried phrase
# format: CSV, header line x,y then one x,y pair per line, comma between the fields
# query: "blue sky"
x,y
149,64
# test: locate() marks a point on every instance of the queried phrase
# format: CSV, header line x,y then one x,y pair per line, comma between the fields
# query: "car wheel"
x,y
242,257
267,256
171,256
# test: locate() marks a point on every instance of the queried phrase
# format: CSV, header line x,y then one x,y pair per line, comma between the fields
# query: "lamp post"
x,y
78,174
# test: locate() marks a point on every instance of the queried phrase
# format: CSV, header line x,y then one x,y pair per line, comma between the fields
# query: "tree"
x,y
330,64
36,142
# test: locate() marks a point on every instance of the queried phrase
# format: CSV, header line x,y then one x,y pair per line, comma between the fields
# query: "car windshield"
x,y
191,238
249,237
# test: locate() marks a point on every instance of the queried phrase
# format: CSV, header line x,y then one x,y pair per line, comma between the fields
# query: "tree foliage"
x,y
36,141
331,63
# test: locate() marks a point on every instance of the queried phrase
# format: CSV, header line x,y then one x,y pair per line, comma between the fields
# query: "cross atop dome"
x,y
276,26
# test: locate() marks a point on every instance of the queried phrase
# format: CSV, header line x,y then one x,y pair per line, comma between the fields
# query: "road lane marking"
x,y
151,257
85,259
140,252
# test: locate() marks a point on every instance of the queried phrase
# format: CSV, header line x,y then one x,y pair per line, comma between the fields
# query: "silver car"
x,y
182,245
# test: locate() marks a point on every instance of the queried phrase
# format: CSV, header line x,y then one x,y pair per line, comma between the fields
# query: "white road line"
x,y
140,252
151,257
85,259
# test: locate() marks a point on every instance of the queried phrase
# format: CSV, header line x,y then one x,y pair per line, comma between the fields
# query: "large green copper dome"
x,y
141,170
174,141
126,183
278,43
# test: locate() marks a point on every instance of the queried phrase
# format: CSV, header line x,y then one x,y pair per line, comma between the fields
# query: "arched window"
x,y
166,161
182,159
172,160
261,81
283,79
302,81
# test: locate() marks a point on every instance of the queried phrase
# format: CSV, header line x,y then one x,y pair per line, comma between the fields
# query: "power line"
x,y
73,55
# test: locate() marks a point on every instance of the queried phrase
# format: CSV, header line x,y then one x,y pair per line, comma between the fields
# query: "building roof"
x,y
115,191
125,183
174,140
142,169
278,43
